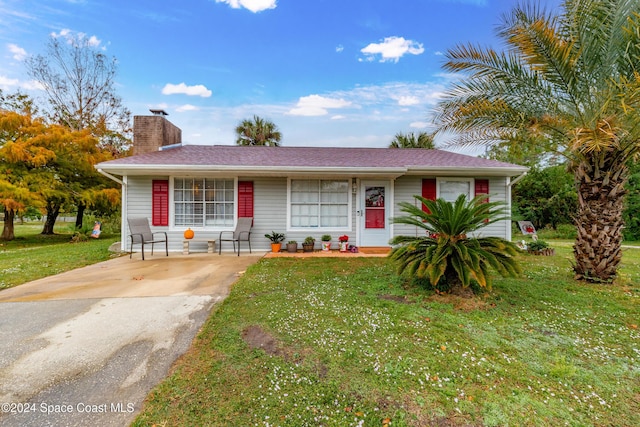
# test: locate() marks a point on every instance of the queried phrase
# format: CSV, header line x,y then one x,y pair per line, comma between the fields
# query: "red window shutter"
x,y
245,199
482,187
160,202
428,191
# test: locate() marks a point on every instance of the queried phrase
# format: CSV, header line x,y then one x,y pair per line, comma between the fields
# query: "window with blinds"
x,y
318,203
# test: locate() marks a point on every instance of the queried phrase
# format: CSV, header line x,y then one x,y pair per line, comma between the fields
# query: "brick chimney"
x,y
152,132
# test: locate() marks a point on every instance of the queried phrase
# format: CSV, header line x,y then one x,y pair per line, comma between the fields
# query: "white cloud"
x,y
419,125
186,107
316,105
252,5
197,90
65,32
94,41
18,53
161,106
408,100
73,38
392,49
338,117
339,48
7,83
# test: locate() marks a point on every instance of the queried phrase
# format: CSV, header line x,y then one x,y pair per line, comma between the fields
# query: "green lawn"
x,y
33,256
348,343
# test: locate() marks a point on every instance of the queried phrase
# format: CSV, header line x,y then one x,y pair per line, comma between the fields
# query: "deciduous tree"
x,y
79,82
21,152
546,196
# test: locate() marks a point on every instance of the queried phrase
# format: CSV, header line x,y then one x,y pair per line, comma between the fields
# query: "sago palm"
x,y
572,81
447,254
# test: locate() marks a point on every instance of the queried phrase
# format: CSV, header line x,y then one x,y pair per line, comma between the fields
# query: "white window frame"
x,y
204,226
349,192
471,181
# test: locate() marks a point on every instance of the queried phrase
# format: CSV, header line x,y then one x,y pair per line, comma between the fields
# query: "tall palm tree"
x,y
411,140
574,79
258,132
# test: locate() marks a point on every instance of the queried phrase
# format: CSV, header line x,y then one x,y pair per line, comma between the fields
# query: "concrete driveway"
x,y
85,347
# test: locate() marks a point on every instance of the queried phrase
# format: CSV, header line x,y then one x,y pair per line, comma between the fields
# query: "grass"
x,y
31,256
348,343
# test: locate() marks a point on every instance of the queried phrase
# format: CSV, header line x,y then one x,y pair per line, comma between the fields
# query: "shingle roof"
x,y
241,157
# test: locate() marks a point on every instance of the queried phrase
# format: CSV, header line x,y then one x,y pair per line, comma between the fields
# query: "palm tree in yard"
x,y
447,254
258,132
572,80
411,140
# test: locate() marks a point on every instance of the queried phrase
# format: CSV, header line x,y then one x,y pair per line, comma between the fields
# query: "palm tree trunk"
x,y
597,251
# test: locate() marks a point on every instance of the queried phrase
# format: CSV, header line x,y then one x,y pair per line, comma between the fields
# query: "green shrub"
x,y
445,255
537,245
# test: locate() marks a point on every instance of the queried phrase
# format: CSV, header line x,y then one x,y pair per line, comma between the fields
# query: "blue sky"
x,y
326,72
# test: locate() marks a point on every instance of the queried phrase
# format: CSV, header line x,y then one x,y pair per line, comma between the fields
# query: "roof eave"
x,y
133,170
391,172
467,171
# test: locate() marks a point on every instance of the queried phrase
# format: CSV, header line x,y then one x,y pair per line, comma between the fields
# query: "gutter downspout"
x,y
111,177
509,185
123,204
522,175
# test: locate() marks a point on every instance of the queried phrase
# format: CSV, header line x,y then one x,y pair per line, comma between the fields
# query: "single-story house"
x,y
298,191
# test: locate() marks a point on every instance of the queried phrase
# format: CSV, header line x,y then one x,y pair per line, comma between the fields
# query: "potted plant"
x,y
307,245
276,240
344,243
540,247
326,242
292,246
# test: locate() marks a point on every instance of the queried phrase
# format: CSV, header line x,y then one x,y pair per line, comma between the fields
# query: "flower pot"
x,y
275,247
326,246
307,247
544,252
292,247
344,246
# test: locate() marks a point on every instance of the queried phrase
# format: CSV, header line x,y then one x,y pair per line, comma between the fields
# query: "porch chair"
x,y
141,233
241,233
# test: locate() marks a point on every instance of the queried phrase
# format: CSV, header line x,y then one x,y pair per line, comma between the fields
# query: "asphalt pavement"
x,y
85,347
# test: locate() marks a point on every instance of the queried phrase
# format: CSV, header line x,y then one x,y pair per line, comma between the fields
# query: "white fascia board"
x,y
459,171
250,170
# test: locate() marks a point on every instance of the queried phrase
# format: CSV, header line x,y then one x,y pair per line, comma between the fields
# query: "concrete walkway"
x,y
85,347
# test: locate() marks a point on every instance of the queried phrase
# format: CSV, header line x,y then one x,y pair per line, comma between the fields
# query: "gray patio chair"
x,y
141,233
241,233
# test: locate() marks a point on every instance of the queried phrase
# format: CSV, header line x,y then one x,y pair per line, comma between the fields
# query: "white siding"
x,y
139,197
408,186
404,189
269,210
